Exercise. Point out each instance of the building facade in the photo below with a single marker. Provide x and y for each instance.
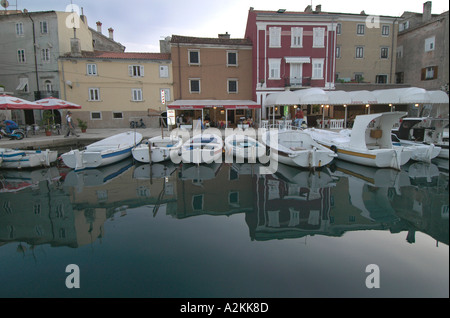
(422, 52)
(115, 88)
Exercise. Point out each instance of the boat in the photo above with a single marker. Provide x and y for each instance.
(420, 151)
(159, 147)
(244, 148)
(202, 148)
(425, 130)
(104, 152)
(368, 142)
(15, 180)
(296, 148)
(16, 158)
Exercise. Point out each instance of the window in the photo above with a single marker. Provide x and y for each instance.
(274, 68)
(43, 27)
(232, 58)
(429, 73)
(399, 52)
(21, 56)
(384, 53)
(91, 69)
(194, 57)
(197, 202)
(233, 199)
(360, 29)
(136, 95)
(117, 115)
(399, 78)
(403, 26)
(381, 79)
(19, 28)
(194, 86)
(136, 70)
(385, 30)
(359, 52)
(96, 115)
(296, 37)
(317, 68)
(359, 77)
(163, 71)
(318, 37)
(23, 85)
(94, 94)
(45, 54)
(232, 86)
(274, 37)
(48, 86)
(338, 28)
(429, 44)
(338, 51)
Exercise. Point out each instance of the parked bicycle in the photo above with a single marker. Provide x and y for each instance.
(137, 124)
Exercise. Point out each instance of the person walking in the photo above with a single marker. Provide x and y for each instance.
(70, 126)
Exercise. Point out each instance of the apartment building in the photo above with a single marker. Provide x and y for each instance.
(212, 78)
(115, 88)
(422, 51)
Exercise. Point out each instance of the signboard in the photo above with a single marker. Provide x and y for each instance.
(171, 116)
(163, 97)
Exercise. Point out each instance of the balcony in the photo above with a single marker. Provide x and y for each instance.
(297, 82)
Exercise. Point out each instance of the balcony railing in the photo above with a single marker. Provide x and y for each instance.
(44, 94)
(297, 82)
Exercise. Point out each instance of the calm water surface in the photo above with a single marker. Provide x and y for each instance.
(225, 230)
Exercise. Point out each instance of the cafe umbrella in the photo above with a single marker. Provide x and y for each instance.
(8, 102)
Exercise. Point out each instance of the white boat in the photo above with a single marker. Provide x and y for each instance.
(202, 148)
(368, 143)
(103, 152)
(420, 151)
(296, 148)
(16, 158)
(244, 148)
(159, 147)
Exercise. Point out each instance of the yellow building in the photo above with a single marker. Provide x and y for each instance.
(115, 88)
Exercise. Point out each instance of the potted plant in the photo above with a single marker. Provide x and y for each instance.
(48, 121)
(82, 124)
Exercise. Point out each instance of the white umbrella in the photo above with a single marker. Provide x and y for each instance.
(56, 103)
(9, 102)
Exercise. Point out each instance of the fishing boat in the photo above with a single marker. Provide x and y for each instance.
(425, 131)
(202, 148)
(104, 152)
(296, 148)
(367, 143)
(15, 158)
(159, 147)
(244, 148)
(420, 151)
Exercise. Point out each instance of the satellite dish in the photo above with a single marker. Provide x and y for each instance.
(5, 3)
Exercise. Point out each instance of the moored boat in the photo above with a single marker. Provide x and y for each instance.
(296, 148)
(104, 152)
(244, 148)
(16, 158)
(159, 147)
(368, 143)
(202, 148)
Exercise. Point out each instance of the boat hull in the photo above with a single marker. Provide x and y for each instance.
(205, 148)
(243, 148)
(160, 149)
(16, 159)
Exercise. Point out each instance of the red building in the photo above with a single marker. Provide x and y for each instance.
(291, 50)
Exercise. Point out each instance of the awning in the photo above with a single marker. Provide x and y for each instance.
(22, 83)
(209, 103)
(299, 59)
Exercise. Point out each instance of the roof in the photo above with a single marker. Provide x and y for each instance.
(218, 40)
(124, 55)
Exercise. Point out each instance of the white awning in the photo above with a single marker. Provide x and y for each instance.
(23, 82)
(299, 59)
(210, 103)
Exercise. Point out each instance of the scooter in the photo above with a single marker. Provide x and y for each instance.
(15, 134)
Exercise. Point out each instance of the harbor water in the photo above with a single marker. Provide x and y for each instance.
(224, 230)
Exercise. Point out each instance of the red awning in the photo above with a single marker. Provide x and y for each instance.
(201, 104)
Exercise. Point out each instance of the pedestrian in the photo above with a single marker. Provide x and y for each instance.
(70, 126)
(298, 117)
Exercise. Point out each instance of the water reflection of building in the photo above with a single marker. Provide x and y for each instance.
(214, 189)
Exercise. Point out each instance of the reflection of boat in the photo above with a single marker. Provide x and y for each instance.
(14, 158)
(199, 173)
(155, 170)
(296, 148)
(202, 148)
(16, 180)
(99, 176)
(160, 148)
(304, 178)
(421, 172)
(103, 152)
(369, 142)
(244, 148)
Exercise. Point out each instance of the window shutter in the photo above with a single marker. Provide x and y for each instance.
(141, 70)
(435, 72)
(130, 70)
(423, 74)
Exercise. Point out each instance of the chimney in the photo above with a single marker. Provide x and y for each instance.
(224, 36)
(99, 27)
(319, 8)
(426, 11)
(75, 47)
(111, 33)
(308, 9)
(83, 17)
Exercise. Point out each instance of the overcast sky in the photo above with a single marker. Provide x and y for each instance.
(140, 24)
